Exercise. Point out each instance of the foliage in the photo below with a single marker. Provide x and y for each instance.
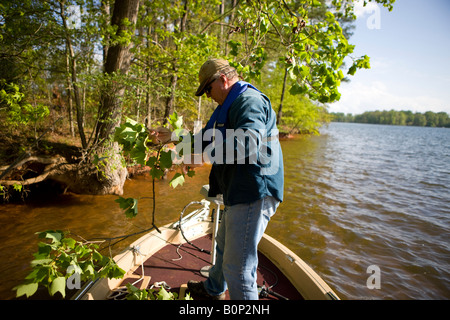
(151, 294)
(139, 149)
(311, 45)
(61, 258)
(300, 114)
(18, 112)
(171, 41)
(134, 139)
(401, 118)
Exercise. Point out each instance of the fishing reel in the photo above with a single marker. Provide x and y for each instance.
(265, 292)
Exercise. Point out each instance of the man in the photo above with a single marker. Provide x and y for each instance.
(247, 169)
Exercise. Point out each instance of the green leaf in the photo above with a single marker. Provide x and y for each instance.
(175, 121)
(324, 98)
(335, 96)
(177, 180)
(304, 71)
(111, 269)
(55, 236)
(165, 160)
(135, 293)
(352, 70)
(330, 80)
(139, 152)
(37, 262)
(69, 242)
(129, 205)
(58, 285)
(96, 256)
(27, 289)
(298, 89)
(89, 271)
(164, 295)
(156, 173)
(264, 26)
(151, 161)
(235, 46)
(44, 250)
(188, 297)
(116, 272)
(191, 173)
(329, 17)
(75, 269)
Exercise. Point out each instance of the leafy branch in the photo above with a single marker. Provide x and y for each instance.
(151, 294)
(139, 148)
(62, 259)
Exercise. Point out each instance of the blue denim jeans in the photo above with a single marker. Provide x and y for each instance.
(238, 235)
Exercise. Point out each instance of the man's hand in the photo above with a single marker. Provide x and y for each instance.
(160, 135)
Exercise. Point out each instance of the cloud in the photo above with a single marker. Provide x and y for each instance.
(358, 97)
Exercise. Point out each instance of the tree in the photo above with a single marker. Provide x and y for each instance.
(152, 52)
(72, 68)
(313, 49)
(299, 114)
(402, 118)
(117, 64)
(101, 170)
(309, 39)
(443, 120)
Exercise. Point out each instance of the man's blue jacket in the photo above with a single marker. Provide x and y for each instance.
(247, 162)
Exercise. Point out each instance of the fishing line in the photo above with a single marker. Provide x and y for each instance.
(181, 229)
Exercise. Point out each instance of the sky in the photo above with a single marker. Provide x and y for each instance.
(409, 50)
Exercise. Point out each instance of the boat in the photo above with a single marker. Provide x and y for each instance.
(184, 250)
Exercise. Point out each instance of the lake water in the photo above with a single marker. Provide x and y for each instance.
(370, 195)
(358, 198)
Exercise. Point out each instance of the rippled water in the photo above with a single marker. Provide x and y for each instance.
(363, 195)
(356, 196)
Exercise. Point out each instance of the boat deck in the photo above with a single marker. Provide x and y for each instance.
(177, 265)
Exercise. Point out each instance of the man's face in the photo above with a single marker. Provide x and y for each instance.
(217, 89)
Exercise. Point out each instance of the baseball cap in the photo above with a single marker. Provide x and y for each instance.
(208, 70)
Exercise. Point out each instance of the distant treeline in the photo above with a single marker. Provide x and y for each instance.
(399, 118)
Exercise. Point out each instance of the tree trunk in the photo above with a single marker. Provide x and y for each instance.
(231, 21)
(171, 99)
(111, 174)
(73, 71)
(118, 61)
(280, 109)
(69, 95)
(106, 11)
(170, 102)
(222, 38)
